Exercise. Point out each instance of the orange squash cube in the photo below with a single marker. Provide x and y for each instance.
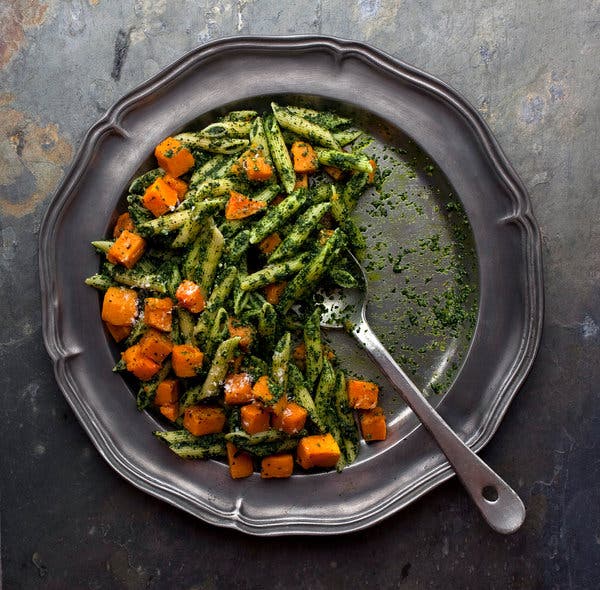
(170, 411)
(186, 360)
(301, 181)
(268, 245)
(127, 249)
(290, 418)
(138, 364)
(240, 462)
(299, 353)
(124, 222)
(255, 418)
(167, 392)
(318, 450)
(261, 390)
(254, 164)
(273, 292)
(200, 420)
(238, 389)
(335, 173)
(299, 356)
(277, 466)
(240, 206)
(158, 313)
(257, 168)
(119, 306)
(362, 395)
(304, 157)
(118, 332)
(173, 158)
(160, 198)
(245, 333)
(373, 425)
(189, 295)
(237, 362)
(178, 185)
(155, 345)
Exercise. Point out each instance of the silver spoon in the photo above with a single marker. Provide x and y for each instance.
(498, 503)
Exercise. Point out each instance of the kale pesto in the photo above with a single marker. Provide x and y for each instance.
(212, 277)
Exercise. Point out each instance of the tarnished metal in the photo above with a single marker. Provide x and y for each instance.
(379, 92)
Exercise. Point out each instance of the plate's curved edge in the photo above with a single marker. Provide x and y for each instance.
(522, 216)
(235, 519)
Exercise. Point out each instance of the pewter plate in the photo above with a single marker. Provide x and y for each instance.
(443, 161)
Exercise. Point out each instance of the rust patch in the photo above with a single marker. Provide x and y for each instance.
(29, 152)
(15, 17)
(21, 209)
(6, 98)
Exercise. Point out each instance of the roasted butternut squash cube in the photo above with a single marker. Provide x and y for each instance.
(189, 295)
(261, 390)
(246, 333)
(318, 450)
(186, 360)
(200, 420)
(255, 418)
(118, 332)
(269, 244)
(127, 249)
(256, 167)
(335, 173)
(158, 313)
(373, 425)
(170, 411)
(277, 466)
(167, 392)
(274, 291)
(299, 356)
(138, 364)
(362, 395)
(301, 181)
(173, 157)
(155, 345)
(178, 185)
(240, 462)
(240, 206)
(238, 389)
(119, 306)
(290, 418)
(124, 222)
(304, 157)
(160, 198)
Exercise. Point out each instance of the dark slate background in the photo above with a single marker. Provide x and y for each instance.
(531, 68)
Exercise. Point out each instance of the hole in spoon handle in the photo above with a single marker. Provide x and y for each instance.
(490, 493)
(499, 504)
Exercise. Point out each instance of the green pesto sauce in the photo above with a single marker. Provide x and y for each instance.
(421, 265)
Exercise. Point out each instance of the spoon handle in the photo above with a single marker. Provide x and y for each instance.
(498, 503)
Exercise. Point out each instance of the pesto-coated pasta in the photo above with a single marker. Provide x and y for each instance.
(210, 281)
(305, 128)
(278, 216)
(314, 348)
(279, 153)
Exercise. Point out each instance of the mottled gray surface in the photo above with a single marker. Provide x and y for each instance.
(532, 70)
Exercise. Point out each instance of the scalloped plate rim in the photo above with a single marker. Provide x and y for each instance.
(523, 216)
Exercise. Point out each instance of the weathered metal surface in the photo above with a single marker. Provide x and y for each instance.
(531, 69)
